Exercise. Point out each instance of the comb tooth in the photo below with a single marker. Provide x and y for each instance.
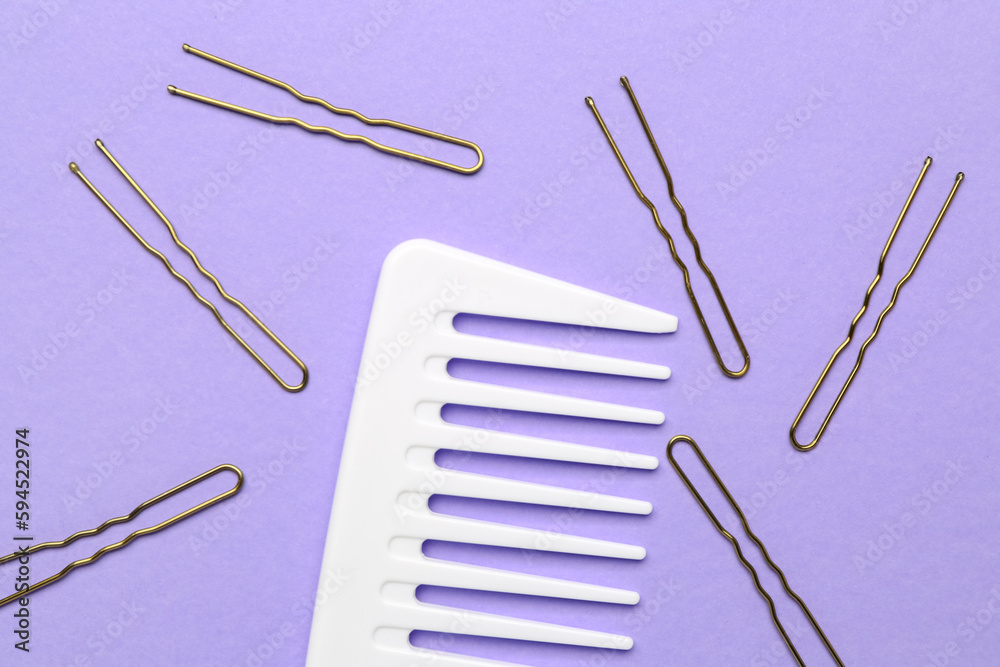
(434, 618)
(468, 439)
(466, 392)
(470, 531)
(456, 575)
(471, 485)
(466, 346)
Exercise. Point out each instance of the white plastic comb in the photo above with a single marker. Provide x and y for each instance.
(373, 562)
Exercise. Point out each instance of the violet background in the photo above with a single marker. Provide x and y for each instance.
(893, 93)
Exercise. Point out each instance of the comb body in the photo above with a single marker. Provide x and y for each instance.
(373, 563)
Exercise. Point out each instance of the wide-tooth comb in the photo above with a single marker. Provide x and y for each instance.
(373, 562)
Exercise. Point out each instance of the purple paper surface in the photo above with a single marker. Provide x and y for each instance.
(794, 132)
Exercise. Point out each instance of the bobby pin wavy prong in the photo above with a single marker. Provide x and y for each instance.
(670, 241)
(286, 120)
(26, 552)
(208, 304)
(864, 306)
(739, 552)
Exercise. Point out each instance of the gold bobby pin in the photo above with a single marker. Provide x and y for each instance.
(285, 120)
(739, 552)
(26, 552)
(864, 306)
(246, 311)
(666, 235)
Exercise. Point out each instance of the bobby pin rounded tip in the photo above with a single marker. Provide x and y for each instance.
(172, 89)
(624, 81)
(300, 386)
(959, 177)
(98, 143)
(737, 373)
(799, 446)
(236, 471)
(590, 101)
(186, 47)
(74, 167)
(480, 161)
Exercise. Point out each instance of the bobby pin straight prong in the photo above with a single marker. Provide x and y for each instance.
(215, 281)
(26, 552)
(740, 372)
(287, 120)
(864, 306)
